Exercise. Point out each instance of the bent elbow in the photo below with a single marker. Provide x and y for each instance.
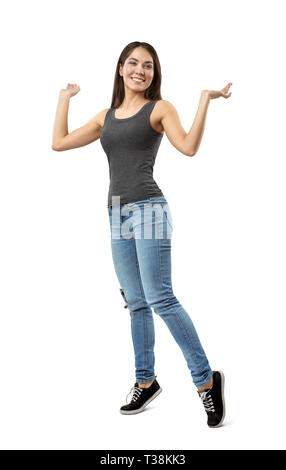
(191, 154)
(56, 148)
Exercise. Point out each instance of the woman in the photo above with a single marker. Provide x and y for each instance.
(130, 132)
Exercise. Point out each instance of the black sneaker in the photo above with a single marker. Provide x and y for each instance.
(213, 400)
(141, 397)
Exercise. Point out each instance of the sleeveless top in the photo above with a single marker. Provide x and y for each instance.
(131, 146)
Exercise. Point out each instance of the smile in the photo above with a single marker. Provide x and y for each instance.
(138, 80)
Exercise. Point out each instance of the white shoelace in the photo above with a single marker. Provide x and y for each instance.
(136, 392)
(207, 401)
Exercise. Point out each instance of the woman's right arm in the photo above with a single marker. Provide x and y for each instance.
(86, 134)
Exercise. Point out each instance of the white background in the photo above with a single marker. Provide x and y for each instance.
(65, 343)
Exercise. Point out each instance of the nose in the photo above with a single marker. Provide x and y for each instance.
(140, 72)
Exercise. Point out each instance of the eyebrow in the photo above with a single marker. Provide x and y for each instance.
(146, 61)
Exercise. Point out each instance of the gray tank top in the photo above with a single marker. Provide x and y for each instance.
(131, 146)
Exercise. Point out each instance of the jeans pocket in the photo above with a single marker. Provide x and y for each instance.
(124, 298)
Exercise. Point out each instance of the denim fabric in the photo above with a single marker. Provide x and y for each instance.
(141, 252)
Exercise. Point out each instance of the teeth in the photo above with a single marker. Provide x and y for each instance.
(137, 79)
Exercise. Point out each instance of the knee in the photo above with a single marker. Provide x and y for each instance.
(164, 303)
(134, 303)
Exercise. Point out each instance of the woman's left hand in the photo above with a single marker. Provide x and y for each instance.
(223, 92)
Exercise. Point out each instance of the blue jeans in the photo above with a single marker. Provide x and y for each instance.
(141, 252)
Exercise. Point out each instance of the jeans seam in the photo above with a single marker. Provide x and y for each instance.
(143, 310)
(159, 257)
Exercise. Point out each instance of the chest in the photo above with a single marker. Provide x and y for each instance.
(131, 135)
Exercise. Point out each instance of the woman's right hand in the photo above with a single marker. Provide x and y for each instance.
(71, 90)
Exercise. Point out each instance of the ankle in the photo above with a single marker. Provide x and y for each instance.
(145, 384)
(207, 385)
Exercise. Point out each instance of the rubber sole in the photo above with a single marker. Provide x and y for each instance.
(133, 412)
(223, 403)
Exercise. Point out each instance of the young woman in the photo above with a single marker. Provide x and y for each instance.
(130, 132)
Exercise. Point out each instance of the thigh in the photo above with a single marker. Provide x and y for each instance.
(126, 265)
(154, 255)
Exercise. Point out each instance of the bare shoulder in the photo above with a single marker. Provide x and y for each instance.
(166, 106)
(163, 108)
(163, 111)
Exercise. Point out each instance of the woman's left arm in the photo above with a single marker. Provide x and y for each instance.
(189, 143)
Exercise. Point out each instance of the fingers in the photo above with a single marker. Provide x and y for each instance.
(227, 87)
(225, 90)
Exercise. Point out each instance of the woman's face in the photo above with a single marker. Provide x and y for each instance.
(138, 64)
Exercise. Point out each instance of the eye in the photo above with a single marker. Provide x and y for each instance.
(148, 66)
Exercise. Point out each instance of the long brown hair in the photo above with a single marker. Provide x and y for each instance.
(154, 90)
